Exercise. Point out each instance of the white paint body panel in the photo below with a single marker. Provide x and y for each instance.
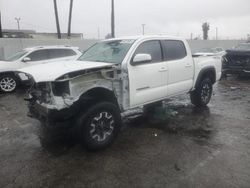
(51, 71)
(147, 82)
(181, 74)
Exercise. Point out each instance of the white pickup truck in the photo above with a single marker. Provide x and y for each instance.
(114, 76)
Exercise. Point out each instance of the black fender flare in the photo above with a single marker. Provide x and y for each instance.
(100, 94)
(207, 71)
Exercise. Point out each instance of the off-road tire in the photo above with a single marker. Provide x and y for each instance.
(8, 83)
(202, 94)
(99, 125)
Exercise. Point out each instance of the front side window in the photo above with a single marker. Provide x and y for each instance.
(113, 51)
(174, 49)
(39, 55)
(151, 47)
(59, 53)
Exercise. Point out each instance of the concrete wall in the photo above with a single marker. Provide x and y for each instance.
(226, 44)
(10, 46)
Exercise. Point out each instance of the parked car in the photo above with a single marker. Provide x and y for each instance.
(237, 60)
(114, 76)
(32, 56)
(217, 51)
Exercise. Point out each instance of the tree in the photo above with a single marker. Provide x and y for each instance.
(108, 36)
(112, 19)
(1, 32)
(205, 28)
(57, 21)
(248, 38)
(70, 17)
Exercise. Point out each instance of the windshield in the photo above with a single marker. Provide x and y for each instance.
(243, 47)
(16, 56)
(108, 51)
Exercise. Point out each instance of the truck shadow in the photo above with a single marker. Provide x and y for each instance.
(176, 120)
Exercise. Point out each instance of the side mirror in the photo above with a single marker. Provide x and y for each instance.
(26, 59)
(141, 58)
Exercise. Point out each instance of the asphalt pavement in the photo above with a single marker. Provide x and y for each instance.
(177, 145)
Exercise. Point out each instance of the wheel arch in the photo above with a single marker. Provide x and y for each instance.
(209, 72)
(98, 94)
(12, 73)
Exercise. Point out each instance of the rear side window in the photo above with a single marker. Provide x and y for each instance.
(174, 49)
(151, 47)
(39, 55)
(58, 53)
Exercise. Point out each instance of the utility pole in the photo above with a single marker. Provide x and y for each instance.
(98, 33)
(112, 19)
(216, 30)
(70, 16)
(143, 28)
(18, 22)
(1, 32)
(57, 21)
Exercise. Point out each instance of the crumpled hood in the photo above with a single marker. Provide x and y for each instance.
(51, 71)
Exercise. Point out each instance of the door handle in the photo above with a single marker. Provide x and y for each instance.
(163, 69)
(188, 65)
(142, 88)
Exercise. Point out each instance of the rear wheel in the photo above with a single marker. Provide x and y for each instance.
(8, 83)
(99, 125)
(202, 94)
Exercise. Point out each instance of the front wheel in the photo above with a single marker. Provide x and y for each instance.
(99, 125)
(202, 94)
(8, 83)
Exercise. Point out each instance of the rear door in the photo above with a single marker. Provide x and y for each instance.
(148, 81)
(180, 66)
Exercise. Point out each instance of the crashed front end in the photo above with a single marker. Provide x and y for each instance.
(50, 101)
(60, 100)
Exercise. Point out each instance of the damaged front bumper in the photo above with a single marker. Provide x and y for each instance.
(50, 116)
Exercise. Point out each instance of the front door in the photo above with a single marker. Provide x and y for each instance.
(148, 81)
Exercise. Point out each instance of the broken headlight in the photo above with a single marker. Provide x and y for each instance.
(41, 92)
(60, 88)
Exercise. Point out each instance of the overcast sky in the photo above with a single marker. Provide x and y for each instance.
(176, 17)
